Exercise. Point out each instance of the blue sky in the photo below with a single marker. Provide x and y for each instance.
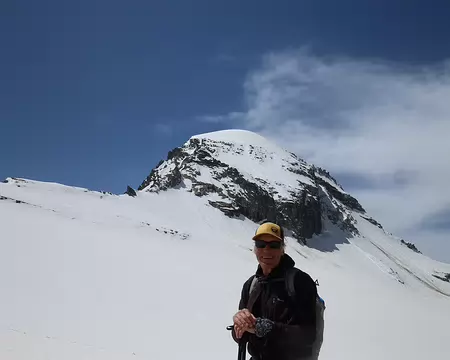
(94, 93)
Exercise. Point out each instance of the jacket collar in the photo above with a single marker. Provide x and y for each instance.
(286, 262)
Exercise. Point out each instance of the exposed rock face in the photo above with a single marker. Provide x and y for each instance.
(307, 219)
(258, 182)
(130, 191)
(442, 276)
(345, 199)
(410, 246)
(372, 221)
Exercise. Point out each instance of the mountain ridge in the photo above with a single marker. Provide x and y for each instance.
(253, 177)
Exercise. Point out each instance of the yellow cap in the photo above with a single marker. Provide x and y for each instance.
(269, 229)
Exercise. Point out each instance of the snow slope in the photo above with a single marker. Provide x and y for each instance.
(92, 276)
(87, 275)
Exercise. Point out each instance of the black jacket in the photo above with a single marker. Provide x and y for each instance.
(293, 330)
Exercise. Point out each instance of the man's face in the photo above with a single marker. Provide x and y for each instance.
(267, 257)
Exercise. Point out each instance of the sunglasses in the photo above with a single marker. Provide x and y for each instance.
(261, 244)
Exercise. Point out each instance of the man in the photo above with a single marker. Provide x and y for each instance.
(275, 325)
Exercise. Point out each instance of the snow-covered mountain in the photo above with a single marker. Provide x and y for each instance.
(245, 175)
(158, 275)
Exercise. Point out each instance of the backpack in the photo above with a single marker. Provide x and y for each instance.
(320, 308)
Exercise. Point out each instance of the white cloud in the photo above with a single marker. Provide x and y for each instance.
(164, 129)
(216, 119)
(382, 121)
(226, 58)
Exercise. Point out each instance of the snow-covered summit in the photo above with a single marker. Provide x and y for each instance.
(243, 174)
(254, 155)
(237, 136)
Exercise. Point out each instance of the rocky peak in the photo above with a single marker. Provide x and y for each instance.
(243, 174)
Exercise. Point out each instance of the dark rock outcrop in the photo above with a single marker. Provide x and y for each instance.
(345, 199)
(174, 153)
(372, 221)
(170, 180)
(410, 246)
(303, 216)
(149, 178)
(326, 174)
(202, 189)
(227, 208)
(130, 191)
(443, 277)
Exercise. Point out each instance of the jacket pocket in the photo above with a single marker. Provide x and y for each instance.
(279, 308)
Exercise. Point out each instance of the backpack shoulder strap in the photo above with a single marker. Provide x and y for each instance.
(254, 291)
(290, 281)
(252, 284)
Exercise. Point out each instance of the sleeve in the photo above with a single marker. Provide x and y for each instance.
(302, 325)
(242, 304)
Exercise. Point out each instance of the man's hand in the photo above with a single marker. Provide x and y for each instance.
(243, 321)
